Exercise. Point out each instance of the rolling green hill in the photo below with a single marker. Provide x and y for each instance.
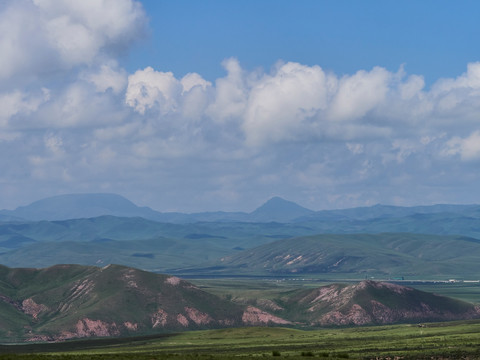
(369, 302)
(133, 242)
(358, 255)
(69, 301)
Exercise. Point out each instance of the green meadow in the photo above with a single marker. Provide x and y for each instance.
(451, 340)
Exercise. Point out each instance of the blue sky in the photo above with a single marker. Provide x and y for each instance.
(220, 105)
(431, 38)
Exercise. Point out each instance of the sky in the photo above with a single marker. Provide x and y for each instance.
(220, 105)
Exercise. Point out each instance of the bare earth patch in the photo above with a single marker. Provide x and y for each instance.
(30, 307)
(173, 280)
(197, 316)
(182, 320)
(87, 327)
(255, 316)
(159, 318)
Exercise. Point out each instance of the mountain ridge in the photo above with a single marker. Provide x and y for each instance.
(276, 209)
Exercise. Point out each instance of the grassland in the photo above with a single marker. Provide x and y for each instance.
(453, 340)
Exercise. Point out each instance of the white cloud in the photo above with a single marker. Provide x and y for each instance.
(231, 93)
(108, 77)
(192, 80)
(79, 30)
(469, 80)
(161, 92)
(149, 88)
(44, 36)
(467, 148)
(279, 105)
(359, 93)
(412, 87)
(18, 102)
(457, 100)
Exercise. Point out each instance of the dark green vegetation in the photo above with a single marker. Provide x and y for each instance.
(452, 340)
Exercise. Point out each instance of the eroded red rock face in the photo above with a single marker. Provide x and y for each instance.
(30, 307)
(89, 328)
(255, 316)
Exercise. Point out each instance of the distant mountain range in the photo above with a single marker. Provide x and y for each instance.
(76, 206)
(71, 301)
(107, 228)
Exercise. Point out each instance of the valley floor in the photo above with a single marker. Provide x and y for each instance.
(449, 340)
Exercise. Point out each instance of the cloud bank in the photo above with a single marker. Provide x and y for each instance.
(73, 120)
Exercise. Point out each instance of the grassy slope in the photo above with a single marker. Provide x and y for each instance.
(157, 254)
(411, 255)
(114, 294)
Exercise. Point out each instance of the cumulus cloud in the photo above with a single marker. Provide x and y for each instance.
(467, 148)
(71, 119)
(359, 93)
(281, 105)
(44, 36)
(297, 102)
(149, 88)
(231, 93)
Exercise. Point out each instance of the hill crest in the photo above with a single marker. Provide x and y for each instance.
(73, 301)
(370, 303)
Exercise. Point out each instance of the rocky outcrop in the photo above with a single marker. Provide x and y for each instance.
(255, 316)
(159, 319)
(89, 328)
(30, 307)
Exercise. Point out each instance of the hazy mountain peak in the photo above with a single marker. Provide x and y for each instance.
(74, 206)
(278, 209)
